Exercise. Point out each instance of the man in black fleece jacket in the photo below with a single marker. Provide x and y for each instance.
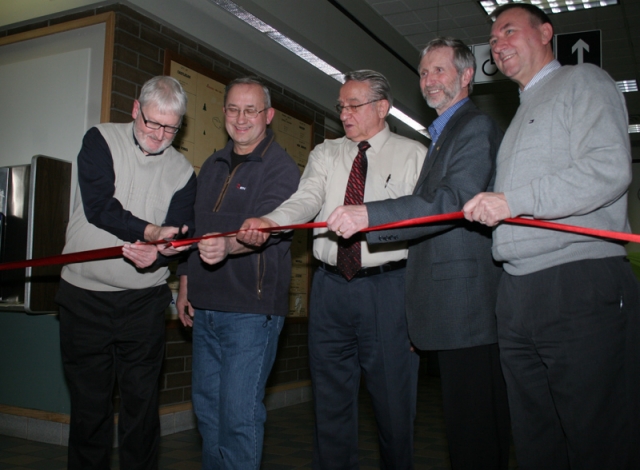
(236, 296)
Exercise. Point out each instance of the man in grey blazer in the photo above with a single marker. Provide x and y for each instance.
(451, 278)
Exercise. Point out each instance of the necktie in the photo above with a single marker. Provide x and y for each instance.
(349, 253)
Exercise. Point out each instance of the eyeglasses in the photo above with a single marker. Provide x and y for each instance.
(155, 125)
(249, 113)
(352, 108)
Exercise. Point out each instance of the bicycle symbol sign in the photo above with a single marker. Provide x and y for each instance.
(489, 67)
(486, 69)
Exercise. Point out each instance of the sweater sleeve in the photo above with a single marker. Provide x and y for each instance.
(181, 212)
(96, 179)
(181, 207)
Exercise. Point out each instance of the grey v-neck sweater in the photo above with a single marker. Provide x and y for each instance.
(565, 158)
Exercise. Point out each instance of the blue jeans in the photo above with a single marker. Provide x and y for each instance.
(232, 356)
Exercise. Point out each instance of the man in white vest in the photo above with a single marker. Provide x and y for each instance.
(132, 186)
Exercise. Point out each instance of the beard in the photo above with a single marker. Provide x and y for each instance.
(448, 94)
(165, 145)
(151, 146)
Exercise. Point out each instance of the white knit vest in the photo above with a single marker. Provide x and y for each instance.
(144, 186)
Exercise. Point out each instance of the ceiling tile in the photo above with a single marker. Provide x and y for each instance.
(431, 14)
(476, 20)
(439, 26)
(417, 4)
(409, 29)
(388, 8)
(420, 39)
(464, 9)
(402, 19)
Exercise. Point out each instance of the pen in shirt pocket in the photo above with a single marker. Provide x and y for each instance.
(387, 182)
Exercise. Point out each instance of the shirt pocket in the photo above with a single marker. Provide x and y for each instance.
(386, 187)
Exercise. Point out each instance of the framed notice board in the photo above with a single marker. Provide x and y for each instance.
(203, 133)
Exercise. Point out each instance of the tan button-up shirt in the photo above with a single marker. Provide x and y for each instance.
(394, 164)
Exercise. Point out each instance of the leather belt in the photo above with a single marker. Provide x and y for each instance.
(365, 272)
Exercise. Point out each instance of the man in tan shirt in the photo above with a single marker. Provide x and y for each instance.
(358, 324)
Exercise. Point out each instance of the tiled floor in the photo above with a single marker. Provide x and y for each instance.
(288, 440)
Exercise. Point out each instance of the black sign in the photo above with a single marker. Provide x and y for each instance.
(579, 48)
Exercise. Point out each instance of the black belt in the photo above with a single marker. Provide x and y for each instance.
(364, 272)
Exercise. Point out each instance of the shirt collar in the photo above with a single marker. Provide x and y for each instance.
(544, 71)
(378, 140)
(437, 126)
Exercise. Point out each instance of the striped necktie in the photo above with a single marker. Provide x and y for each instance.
(349, 252)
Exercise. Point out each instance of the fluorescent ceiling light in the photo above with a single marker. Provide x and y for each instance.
(626, 86)
(634, 128)
(286, 42)
(273, 34)
(409, 122)
(550, 6)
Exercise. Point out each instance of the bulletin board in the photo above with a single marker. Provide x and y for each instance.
(203, 133)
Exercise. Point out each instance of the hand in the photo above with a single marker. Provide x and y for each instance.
(348, 220)
(487, 208)
(168, 250)
(213, 250)
(249, 233)
(142, 255)
(154, 233)
(185, 310)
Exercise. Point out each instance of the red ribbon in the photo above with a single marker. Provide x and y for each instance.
(609, 234)
(116, 251)
(280, 228)
(79, 257)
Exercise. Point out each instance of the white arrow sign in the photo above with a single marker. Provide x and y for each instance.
(580, 46)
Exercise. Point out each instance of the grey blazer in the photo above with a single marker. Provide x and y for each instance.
(451, 278)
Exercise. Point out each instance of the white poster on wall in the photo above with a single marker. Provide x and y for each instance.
(51, 94)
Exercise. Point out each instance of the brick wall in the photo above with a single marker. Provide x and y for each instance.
(139, 48)
(175, 384)
(293, 355)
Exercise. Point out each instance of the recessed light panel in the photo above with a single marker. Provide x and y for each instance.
(627, 86)
(551, 6)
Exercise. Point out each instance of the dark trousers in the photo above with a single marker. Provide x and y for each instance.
(476, 410)
(104, 336)
(361, 326)
(569, 341)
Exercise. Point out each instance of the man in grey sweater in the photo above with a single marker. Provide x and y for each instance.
(568, 305)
